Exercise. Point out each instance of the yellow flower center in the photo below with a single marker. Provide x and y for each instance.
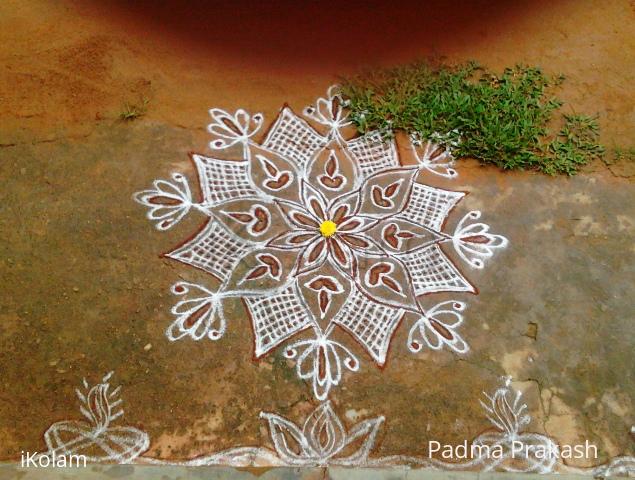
(328, 228)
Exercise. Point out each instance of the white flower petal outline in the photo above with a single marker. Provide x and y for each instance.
(437, 328)
(473, 242)
(205, 310)
(322, 438)
(321, 355)
(233, 129)
(178, 201)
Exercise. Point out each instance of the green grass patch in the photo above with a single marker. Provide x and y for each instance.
(132, 111)
(506, 120)
(621, 155)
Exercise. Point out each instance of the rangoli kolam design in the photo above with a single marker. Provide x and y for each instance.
(315, 230)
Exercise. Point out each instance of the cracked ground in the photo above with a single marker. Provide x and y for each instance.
(84, 292)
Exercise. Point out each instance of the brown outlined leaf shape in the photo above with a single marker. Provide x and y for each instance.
(298, 217)
(293, 239)
(332, 171)
(394, 236)
(312, 256)
(254, 222)
(386, 280)
(332, 179)
(356, 241)
(386, 193)
(326, 286)
(400, 236)
(258, 221)
(342, 256)
(476, 239)
(262, 269)
(273, 174)
(276, 179)
(380, 273)
(382, 196)
(269, 265)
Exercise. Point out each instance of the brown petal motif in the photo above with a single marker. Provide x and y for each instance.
(326, 287)
(269, 266)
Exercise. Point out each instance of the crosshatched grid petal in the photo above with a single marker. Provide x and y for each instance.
(213, 250)
(276, 317)
(293, 138)
(432, 272)
(430, 206)
(223, 180)
(371, 323)
(373, 153)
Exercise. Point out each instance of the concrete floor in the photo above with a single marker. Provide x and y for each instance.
(102, 472)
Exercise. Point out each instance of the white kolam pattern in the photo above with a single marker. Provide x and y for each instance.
(263, 239)
(324, 439)
(96, 438)
(354, 188)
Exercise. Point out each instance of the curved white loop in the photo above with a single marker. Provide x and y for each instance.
(318, 360)
(197, 317)
(329, 111)
(96, 440)
(167, 202)
(322, 438)
(437, 328)
(474, 243)
(433, 157)
(233, 129)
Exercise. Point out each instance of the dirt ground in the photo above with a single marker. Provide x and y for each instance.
(83, 291)
(66, 66)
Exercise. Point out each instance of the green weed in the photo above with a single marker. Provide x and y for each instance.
(621, 155)
(133, 111)
(500, 119)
